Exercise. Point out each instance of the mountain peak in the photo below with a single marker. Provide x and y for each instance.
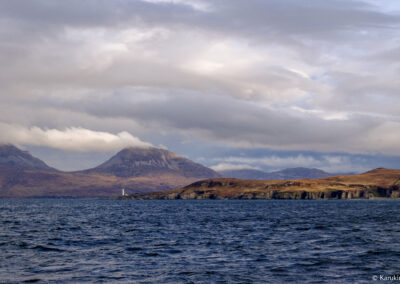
(146, 151)
(151, 161)
(13, 157)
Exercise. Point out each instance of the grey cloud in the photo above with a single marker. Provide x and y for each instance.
(369, 93)
(316, 18)
(257, 17)
(235, 74)
(39, 16)
(237, 123)
(390, 56)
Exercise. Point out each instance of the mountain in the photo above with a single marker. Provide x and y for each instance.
(378, 183)
(136, 170)
(244, 174)
(152, 162)
(298, 173)
(290, 173)
(12, 157)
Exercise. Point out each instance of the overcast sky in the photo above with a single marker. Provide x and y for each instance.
(265, 84)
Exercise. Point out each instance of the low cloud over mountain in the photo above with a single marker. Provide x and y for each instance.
(71, 139)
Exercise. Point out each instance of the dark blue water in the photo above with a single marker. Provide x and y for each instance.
(122, 241)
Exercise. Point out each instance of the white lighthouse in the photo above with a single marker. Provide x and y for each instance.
(123, 192)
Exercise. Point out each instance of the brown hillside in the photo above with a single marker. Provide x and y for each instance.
(378, 183)
(135, 169)
(32, 183)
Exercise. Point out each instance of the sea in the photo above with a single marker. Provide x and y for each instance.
(199, 241)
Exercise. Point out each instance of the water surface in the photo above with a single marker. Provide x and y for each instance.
(183, 241)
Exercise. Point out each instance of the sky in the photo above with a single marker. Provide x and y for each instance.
(230, 84)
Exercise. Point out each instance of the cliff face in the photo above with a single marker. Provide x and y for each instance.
(380, 183)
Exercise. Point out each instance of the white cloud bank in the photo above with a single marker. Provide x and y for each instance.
(70, 139)
(229, 167)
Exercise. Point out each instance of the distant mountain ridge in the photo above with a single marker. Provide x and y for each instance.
(289, 173)
(12, 157)
(135, 169)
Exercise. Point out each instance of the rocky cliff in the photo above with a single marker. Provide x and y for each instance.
(379, 183)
